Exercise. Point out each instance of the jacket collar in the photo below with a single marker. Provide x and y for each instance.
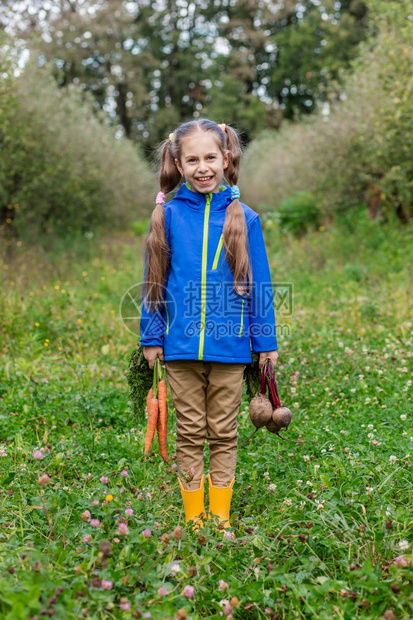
(195, 200)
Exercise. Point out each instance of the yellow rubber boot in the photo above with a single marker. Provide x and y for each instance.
(220, 501)
(193, 503)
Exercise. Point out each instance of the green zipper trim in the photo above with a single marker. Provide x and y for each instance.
(242, 319)
(167, 319)
(218, 252)
(203, 276)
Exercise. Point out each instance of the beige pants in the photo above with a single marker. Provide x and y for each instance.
(206, 396)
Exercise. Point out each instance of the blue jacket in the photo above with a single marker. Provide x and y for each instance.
(203, 317)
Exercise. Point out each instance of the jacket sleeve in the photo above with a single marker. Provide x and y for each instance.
(261, 303)
(152, 325)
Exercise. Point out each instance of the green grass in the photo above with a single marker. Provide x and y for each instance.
(322, 543)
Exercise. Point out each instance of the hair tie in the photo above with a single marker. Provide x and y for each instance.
(171, 137)
(160, 199)
(235, 193)
(222, 127)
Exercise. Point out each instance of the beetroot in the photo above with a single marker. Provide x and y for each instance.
(268, 412)
(260, 411)
(282, 417)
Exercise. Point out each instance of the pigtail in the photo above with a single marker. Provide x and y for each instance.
(235, 232)
(235, 152)
(157, 248)
(169, 175)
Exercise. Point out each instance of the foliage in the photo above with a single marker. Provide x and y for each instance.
(300, 80)
(358, 152)
(140, 379)
(318, 530)
(60, 167)
(141, 227)
(298, 214)
(151, 65)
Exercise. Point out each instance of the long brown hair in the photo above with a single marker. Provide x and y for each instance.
(235, 232)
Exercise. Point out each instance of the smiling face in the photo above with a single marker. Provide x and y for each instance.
(202, 162)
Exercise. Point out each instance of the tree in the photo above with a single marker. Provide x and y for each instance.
(311, 53)
(151, 65)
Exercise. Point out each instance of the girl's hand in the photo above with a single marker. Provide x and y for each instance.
(268, 355)
(151, 353)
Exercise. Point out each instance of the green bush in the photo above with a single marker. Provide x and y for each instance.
(141, 227)
(298, 214)
(361, 151)
(61, 167)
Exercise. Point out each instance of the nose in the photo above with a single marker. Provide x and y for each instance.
(203, 166)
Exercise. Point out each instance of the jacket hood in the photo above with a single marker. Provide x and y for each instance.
(196, 200)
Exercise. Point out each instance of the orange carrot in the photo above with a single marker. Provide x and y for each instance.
(162, 425)
(149, 398)
(153, 411)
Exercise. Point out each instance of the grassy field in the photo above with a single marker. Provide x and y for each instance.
(91, 529)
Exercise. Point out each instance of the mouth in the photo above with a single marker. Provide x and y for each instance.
(204, 180)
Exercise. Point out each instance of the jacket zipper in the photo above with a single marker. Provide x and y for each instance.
(167, 318)
(242, 319)
(218, 252)
(203, 276)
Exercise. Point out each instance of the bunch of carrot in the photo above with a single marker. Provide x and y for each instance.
(157, 408)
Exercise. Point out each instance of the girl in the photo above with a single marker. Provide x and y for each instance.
(207, 301)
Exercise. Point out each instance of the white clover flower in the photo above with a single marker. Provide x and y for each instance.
(367, 401)
(392, 459)
(272, 487)
(306, 458)
(316, 467)
(370, 427)
(369, 489)
(287, 501)
(302, 505)
(403, 417)
(309, 483)
(299, 482)
(353, 390)
(331, 448)
(404, 545)
(370, 435)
